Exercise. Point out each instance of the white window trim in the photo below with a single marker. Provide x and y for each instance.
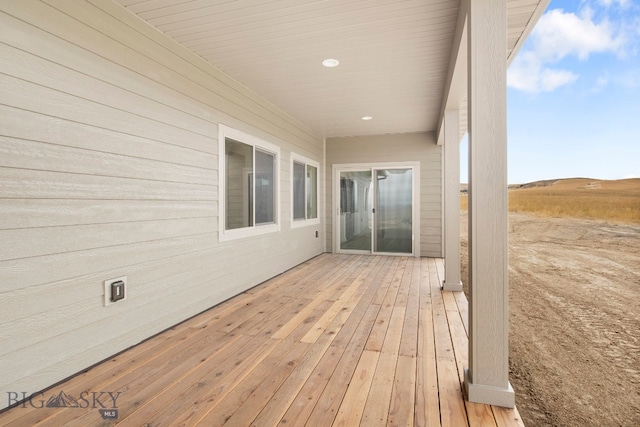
(254, 230)
(296, 223)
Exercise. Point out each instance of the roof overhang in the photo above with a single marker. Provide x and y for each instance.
(522, 16)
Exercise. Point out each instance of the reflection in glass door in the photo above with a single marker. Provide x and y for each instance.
(394, 211)
(376, 215)
(355, 210)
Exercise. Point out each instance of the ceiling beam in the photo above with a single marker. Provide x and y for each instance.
(456, 86)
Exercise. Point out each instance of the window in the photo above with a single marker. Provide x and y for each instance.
(304, 192)
(249, 179)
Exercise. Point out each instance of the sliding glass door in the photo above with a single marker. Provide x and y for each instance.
(376, 210)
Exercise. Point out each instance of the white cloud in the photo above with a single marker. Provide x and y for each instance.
(558, 35)
(609, 3)
(528, 74)
(551, 79)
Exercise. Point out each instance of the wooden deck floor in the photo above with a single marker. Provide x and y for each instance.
(341, 340)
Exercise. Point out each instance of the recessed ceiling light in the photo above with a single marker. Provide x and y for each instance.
(367, 118)
(330, 63)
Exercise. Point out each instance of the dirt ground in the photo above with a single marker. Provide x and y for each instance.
(574, 320)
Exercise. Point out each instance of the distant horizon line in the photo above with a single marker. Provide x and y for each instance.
(565, 179)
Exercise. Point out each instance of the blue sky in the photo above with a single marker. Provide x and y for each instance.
(574, 94)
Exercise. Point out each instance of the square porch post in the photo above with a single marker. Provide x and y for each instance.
(451, 147)
(487, 378)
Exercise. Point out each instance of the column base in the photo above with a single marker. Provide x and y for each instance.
(452, 286)
(489, 395)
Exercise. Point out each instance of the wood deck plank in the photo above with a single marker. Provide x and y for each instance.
(331, 282)
(452, 408)
(360, 263)
(427, 412)
(178, 340)
(226, 407)
(308, 396)
(265, 316)
(276, 319)
(150, 379)
(201, 388)
(316, 280)
(507, 417)
(479, 415)
(304, 272)
(160, 390)
(383, 282)
(104, 373)
(409, 343)
(350, 308)
(300, 274)
(321, 283)
(326, 408)
(253, 405)
(379, 331)
(342, 303)
(458, 335)
(277, 406)
(405, 283)
(401, 410)
(378, 401)
(339, 340)
(223, 384)
(463, 309)
(303, 327)
(245, 314)
(352, 406)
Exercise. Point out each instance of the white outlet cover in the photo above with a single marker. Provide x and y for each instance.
(107, 290)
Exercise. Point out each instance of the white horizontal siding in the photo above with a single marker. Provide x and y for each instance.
(420, 147)
(108, 167)
(28, 125)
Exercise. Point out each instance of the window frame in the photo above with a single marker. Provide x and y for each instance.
(224, 235)
(296, 223)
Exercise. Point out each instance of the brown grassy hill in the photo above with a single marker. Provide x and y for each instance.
(616, 201)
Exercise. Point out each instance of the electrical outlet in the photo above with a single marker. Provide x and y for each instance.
(115, 290)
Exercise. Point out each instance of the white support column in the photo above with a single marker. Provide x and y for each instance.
(487, 379)
(451, 147)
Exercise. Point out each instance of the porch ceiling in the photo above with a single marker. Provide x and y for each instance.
(394, 54)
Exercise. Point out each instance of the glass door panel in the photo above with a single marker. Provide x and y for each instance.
(356, 210)
(394, 211)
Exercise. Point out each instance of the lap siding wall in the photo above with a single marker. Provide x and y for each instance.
(109, 167)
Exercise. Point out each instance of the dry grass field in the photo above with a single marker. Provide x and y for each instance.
(615, 201)
(574, 296)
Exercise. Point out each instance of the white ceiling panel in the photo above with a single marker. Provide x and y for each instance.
(394, 54)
